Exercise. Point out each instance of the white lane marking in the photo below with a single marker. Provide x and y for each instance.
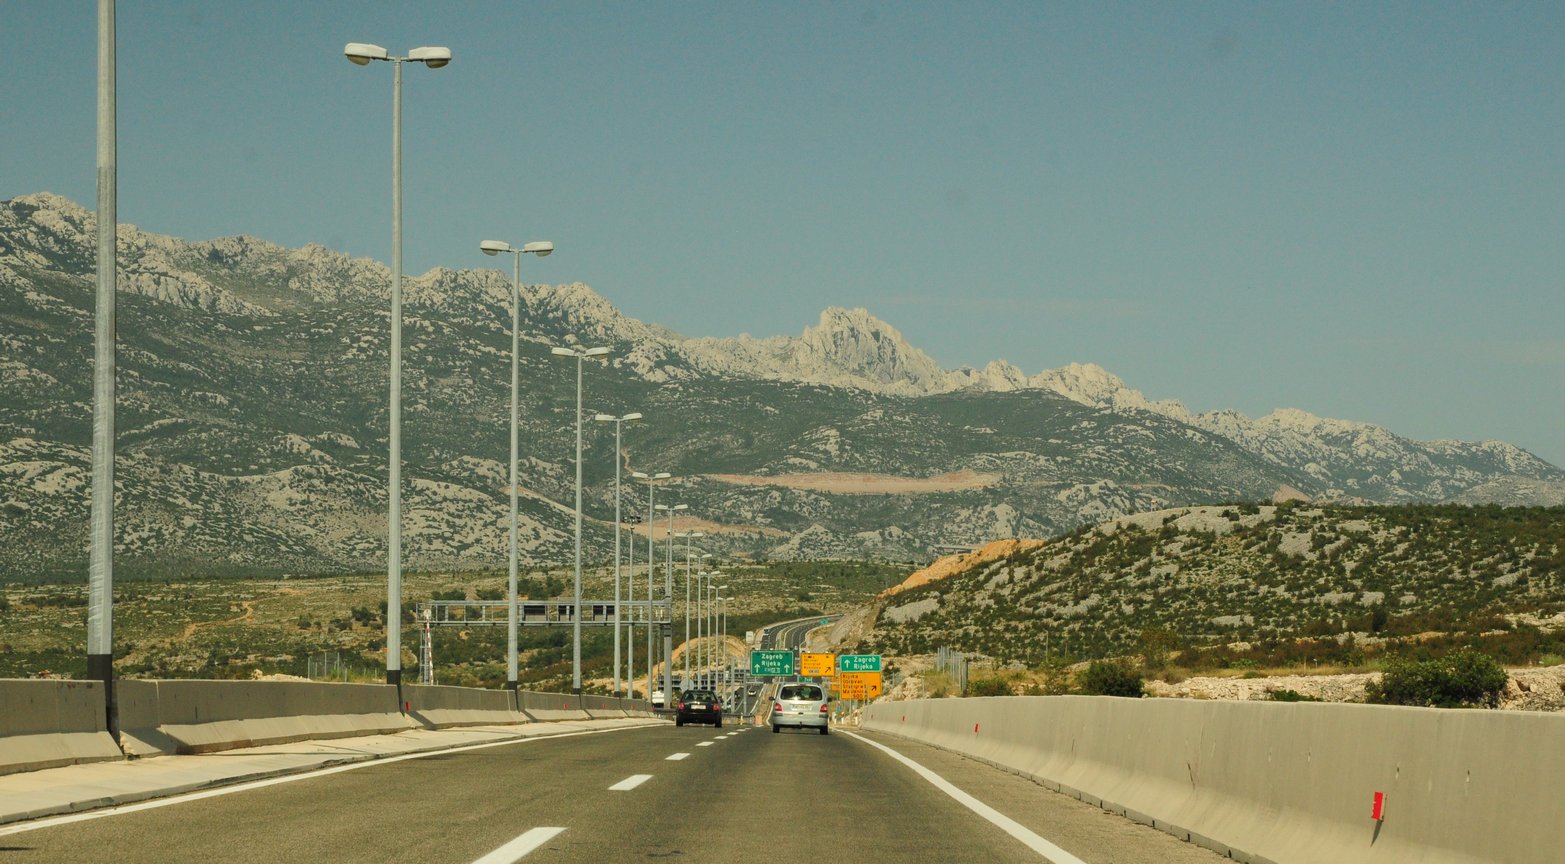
(704, 744)
(52, 821)
(630, 782)
(677, 756)
(517, 849)
(1005, 823)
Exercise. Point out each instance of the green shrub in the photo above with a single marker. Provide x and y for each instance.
(988, 687)
(1106, 678)
(1463, 678)
(1285, 695)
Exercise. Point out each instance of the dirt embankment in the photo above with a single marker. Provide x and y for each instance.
(1529, 689)
(951, 565)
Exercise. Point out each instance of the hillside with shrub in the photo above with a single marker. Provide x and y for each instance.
(1247, 586)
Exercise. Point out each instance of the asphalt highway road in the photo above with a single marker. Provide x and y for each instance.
(692, 794)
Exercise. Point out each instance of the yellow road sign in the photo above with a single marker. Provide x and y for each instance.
(817, 665)
(859, 685)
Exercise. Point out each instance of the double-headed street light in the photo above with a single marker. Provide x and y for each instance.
(668, 592)
(721, 603)
(618, 423)
(651, 481)
(360, 54)
(581, 354)
(688, 644)
(541, 248)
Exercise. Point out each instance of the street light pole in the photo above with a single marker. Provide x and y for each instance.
(688, 644)
(581, 356)
(360, 54)
(100, 573)
(541, 248)
(618, 612)
(668, 595)
(652, 480)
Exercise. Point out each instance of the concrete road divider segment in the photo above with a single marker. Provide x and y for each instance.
(52, 723)
(549, 707)
(208, 716)
(1278, 782)
(435, 707)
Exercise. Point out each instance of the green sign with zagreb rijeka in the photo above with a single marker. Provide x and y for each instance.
(858, 663)
(771, 662)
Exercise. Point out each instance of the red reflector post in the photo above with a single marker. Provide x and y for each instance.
(1377, 810)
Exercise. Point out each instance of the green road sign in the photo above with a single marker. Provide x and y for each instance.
(774, 663)
(825, 621)
(858, 663)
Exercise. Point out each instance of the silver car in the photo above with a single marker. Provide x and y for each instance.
(802, 706)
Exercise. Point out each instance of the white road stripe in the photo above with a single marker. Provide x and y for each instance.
(630, 782)
(677, 756)
(51, 821)
(517, 849)
(1049, 851)
(704, 744)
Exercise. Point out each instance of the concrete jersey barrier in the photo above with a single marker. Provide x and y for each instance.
(191, 716)
(1279, 782)
(437, 707)
(52, 723)
(549, 707)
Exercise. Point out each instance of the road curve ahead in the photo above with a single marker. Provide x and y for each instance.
(691, 794)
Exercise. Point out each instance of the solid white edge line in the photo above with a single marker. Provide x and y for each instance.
(52, 821)
(519, 848)
(676, 757)
(1005, 823)
(630, 782)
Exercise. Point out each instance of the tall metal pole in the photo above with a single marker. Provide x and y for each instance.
(100, 589)
(651, 571)
(394, 511)
(630, 623)
(689, 646)
(516, 383)
(617, 610)
(576, 614)
(668, 629)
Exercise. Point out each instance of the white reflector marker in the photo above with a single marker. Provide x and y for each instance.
(630, 782)
(518, 849)
(677, 756)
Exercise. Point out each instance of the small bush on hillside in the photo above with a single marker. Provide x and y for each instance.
(988, 687)
(1105, 678)
(1285, 695)
(1461, 679)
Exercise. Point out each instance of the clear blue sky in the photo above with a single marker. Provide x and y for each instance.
(1357, 209)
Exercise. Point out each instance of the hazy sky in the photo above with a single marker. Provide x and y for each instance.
(1357, 209)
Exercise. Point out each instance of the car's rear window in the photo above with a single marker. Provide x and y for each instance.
(706, 695)
(803, 692)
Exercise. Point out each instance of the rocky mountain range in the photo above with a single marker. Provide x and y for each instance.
(252, 423)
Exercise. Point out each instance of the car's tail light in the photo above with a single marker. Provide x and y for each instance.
(776, 706)
(679, 706)
(823, 707)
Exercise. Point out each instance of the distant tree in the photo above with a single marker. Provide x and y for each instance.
(1462, 679)
(1108, 678)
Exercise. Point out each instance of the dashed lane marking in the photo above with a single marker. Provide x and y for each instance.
(519, 848)
(677, 756)
(630, 782)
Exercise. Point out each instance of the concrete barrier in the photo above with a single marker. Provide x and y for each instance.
(601, 707)
(435, 707)
(52, 723)
(548, 707)
(208, 716)
(1278, 782)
